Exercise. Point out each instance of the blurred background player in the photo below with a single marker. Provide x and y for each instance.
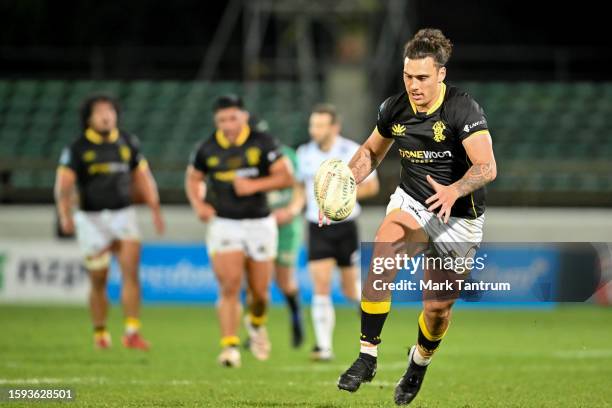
(105, 165)
(338, 243)
(226, 181)
(286, 205)
(440, 200)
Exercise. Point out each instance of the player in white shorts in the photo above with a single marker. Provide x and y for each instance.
(336, 245)
(442, 137)
(107, 168)
(226, 183)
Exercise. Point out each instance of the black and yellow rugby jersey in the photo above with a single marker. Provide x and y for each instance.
(103, 168)
(221, 161)
(430, 143)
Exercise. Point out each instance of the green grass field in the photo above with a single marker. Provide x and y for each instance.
(555, 358)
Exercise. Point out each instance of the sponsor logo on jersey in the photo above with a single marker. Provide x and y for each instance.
(471, 126)
(230, 175)
(398, 130)
(438, 129)
(107, 168)
(424, 156)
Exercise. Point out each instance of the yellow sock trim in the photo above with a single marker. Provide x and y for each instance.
(426, 331)
(99, 334)
(228, 341)
(132, 323)
(257, 320)
(376, 307)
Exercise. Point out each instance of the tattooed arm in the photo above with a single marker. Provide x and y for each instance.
(483, 170)
(369, 155)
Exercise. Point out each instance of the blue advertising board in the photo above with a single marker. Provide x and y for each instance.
(181, 273)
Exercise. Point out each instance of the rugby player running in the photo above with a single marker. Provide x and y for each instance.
(446, 160)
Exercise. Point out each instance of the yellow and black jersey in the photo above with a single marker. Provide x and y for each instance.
(250, 156)
(103, 167)
(431, 143)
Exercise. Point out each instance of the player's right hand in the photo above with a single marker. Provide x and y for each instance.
(67, 225)
(205, 212)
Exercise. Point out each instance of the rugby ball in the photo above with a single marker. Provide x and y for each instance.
(335, 189)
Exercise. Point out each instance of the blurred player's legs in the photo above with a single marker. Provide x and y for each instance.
(101, 234)
(235, 245)
(334, 245)
(128, 257)
(259, 274)
(285, 279)
(229, 267)
(322, 307)
(98, 299)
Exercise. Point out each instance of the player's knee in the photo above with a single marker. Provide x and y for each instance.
(98, 282)
(130, 277)
(230, 290)
(259, 295)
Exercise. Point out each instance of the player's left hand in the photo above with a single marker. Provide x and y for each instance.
(444, 199)
(244, 186)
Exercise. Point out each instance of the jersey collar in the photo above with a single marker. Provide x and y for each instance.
(436, 105)
(224, 141)
(97, 138)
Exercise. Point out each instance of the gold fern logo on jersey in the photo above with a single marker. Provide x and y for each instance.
(89, 156)
(125, 153)
(438, 129)
(398, 130)
(212, 161)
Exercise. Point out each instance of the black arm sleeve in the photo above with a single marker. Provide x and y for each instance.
(198, 159)
(271, 150)
(467, 117)
(69, 158)
(136, 156)
(383, 121)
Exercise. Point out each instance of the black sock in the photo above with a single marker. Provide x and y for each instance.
(294, 304)
(371, 326)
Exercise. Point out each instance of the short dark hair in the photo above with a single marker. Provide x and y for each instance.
(228, 101)
(429, 42)
(329, 109)
(88, 104)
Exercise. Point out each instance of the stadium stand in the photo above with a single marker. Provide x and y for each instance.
(554, 126)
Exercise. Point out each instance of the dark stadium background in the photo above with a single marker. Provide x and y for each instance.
(541, 70)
